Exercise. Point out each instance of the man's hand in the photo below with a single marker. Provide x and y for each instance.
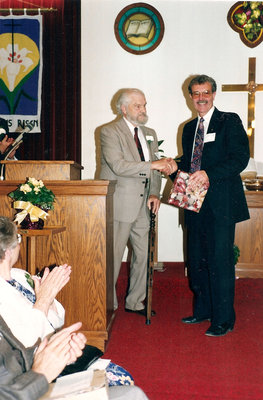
(5, 143)
(198, 179)
(153, 203)
(62, 349)
(165, 165)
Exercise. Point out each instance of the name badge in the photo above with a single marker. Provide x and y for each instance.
(210, 137)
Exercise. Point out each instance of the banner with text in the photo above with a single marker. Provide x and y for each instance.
(21, 70)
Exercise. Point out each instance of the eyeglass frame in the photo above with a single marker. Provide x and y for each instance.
(205, 93)
(19, 238)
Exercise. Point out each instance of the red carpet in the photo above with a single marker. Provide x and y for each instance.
(170, 360)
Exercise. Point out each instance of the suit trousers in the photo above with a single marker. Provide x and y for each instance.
(211, 267)
(137, 233)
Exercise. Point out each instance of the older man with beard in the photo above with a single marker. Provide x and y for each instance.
(128, 156)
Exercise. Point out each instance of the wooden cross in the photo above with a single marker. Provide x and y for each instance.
(251, 87)
(13, 25)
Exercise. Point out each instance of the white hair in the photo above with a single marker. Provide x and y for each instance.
(125, 98)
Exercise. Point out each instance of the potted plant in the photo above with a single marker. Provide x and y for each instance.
(33, 200)
(236, 253)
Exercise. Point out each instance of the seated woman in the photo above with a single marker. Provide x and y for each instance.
(30, 315)
(35, 313)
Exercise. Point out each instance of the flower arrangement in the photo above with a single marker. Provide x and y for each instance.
(34, 199)
(35, 192)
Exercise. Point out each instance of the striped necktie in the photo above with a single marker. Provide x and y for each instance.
(138, 143)
(198, 147)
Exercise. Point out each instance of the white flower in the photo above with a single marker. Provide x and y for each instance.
(25, 188)
(158, 155)
(149, 138)
(35, 182)
(36, 190)
(13, 59)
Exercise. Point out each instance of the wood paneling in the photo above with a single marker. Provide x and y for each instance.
(249, 235)
(85, 209)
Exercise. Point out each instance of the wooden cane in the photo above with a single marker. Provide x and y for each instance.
(150, 268)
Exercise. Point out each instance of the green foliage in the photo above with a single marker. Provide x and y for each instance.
(236, 253)
(29, 280)
(159, 144)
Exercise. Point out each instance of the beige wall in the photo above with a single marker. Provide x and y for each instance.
(197, 39)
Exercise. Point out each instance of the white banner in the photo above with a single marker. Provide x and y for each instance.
(21, 66)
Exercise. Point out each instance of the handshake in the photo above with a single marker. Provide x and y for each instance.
(165, 165)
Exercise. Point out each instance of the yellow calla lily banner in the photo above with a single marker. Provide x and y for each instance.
(21, 70)
(28, 208)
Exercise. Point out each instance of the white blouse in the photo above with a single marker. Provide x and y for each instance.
(26, 323)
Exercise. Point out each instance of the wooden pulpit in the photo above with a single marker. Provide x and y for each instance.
(45, 170)
(85, 209)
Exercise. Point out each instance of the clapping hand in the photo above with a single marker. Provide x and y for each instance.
(47, 287)
(63, 348)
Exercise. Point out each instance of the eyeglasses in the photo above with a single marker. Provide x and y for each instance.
(19, 238)
(205, 93)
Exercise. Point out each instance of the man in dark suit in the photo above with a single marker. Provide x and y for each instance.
(223, 155)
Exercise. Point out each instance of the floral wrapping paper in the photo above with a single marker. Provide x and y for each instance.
(182, 196)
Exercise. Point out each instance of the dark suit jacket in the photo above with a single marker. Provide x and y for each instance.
(17, 380)
(223, 159)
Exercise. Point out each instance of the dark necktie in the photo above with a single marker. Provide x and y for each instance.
(138, 143)
(198, 147)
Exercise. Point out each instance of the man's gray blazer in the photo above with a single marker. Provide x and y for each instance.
(120, 161)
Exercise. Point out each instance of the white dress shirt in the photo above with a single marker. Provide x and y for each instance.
(141, 138)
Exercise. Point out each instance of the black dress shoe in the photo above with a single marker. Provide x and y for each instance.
(194, 320)
(219, 330)
(140, 312)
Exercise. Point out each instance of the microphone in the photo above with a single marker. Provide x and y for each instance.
(28, 128)
(16, 143)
